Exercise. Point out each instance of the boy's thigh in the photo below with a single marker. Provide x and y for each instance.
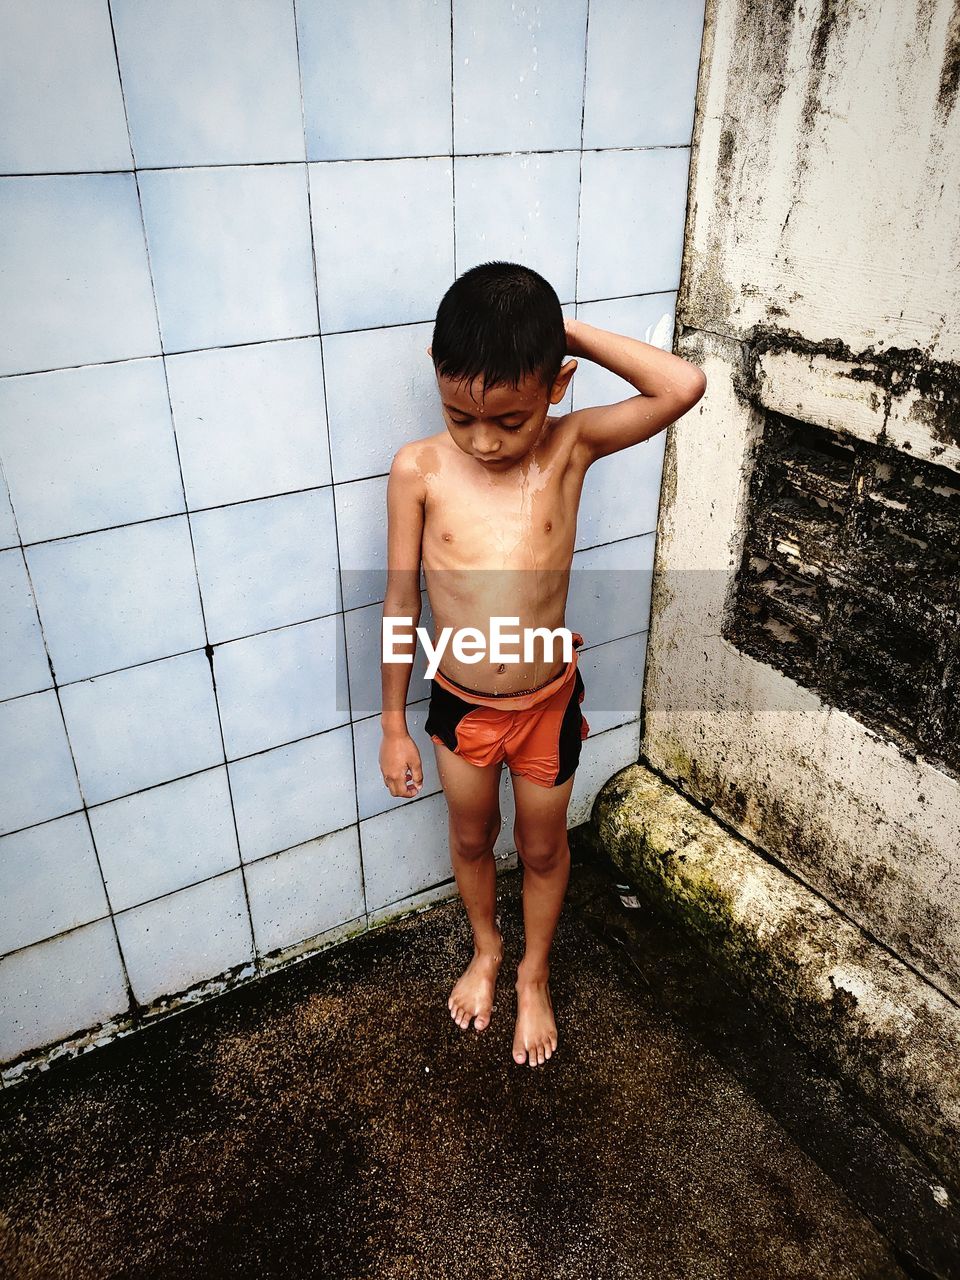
(472, 791)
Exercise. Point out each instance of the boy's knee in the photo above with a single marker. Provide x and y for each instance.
(540, 850)
(474, 842)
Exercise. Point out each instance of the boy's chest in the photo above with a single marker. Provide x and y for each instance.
(523, 524)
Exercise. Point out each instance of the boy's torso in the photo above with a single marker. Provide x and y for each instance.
(500, 543)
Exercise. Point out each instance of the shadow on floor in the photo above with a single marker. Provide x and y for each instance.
(332, 1120)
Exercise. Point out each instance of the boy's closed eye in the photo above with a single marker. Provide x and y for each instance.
(511, 424)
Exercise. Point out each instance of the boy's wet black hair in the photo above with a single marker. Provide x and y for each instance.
(499, 321)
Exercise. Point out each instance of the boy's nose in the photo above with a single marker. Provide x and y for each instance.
(484, 444)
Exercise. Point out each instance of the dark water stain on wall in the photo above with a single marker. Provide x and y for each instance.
(895, 371)
(950, 70)
(850, 580)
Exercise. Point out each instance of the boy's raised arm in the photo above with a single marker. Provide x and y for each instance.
(399, 758)
(669, 387)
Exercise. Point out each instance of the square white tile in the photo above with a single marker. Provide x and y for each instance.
(266, 563)
(210, 82)
(87, 448)
(610, 589)
(23, 659)
(416, 902)
(383, 238)
(647, 192)
(642, 65)
(364, 651)
(76, 282)
(375, 88)
(282, 685)
(163, 839)
(112, 599)
(60, 987)
(230, 252)
(250, 420)
(362, 530)
(372, 794)
(613, 678)
(518, 74)
(621, 494)
(173, 943)
(405, 851)
(143, 726)
(520, 208)
(49, 882)
(315, 779)
(8, 525)
(648, 317)
(81, 125)
(38, 780)
(370, 418)
(305, 891)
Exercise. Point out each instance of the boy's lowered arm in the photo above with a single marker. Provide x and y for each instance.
(669, 387)
(404, 535)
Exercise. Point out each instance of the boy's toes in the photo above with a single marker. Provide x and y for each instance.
(480, 1021)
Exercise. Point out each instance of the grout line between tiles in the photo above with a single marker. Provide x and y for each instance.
(298, 337)
(264, 858)
(297, 160)
(208, 647)
(341, 633)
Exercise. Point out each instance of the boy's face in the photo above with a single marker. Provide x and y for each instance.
(500, 425)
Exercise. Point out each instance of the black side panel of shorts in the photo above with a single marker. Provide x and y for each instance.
(570, 740)
(445, 713)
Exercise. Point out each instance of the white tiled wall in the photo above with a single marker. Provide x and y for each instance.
(225, 231)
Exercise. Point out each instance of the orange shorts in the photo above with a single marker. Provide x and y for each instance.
(539, 734)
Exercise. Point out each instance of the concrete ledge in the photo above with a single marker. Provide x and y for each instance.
(880, 1025)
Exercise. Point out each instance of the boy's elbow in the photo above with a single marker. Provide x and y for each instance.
(698, 385)
(402, 606)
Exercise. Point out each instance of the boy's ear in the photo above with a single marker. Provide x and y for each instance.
(430, 352)
(562, 381)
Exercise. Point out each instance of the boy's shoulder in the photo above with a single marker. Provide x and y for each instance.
(416, 460)
(416, 456)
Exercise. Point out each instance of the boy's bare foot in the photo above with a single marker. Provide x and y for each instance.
(535, 1038)
(472, 997)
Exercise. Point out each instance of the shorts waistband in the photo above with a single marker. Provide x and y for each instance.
(515, 701)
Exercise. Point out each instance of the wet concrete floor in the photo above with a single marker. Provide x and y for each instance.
(332, 1120)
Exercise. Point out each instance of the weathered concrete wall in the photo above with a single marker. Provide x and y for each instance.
(819, 284)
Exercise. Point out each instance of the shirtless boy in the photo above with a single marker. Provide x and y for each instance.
(488, 506)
